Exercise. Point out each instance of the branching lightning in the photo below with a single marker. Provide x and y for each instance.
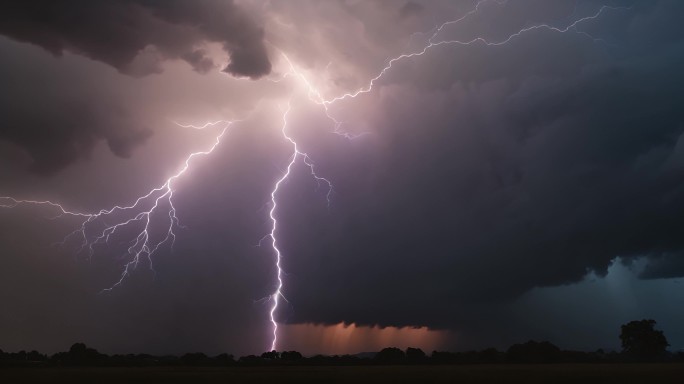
(141, 245)
(306, 160)
(316, 97)
(433, 43)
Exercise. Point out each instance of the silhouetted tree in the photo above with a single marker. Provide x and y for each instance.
(78, 349)
(390, 355)
(491, 355)
(80, 354)
(533, 352)
(273, 355)
(36, 356)
(251, 360)
(642, 341)
(224, 359)
(415, 355)
(291, 356)
(196, 359)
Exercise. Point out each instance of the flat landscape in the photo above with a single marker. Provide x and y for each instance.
(551, 373)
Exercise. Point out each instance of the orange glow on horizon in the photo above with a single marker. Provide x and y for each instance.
(340, 339)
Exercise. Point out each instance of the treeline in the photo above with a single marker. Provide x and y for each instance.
(531, 352)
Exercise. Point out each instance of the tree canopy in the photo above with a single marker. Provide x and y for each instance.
(641, 340)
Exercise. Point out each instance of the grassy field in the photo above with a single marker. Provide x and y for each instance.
(560, 373)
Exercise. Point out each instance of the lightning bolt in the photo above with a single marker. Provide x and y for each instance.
(140, 211)
(296, 155)
(315, 96)
(142, 246)
(433, 43)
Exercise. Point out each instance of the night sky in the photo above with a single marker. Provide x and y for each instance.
(517, 174)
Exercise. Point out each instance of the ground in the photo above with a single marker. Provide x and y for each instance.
(552, 373)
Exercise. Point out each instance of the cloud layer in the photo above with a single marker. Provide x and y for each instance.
(134, 36)
(485, 171)
(499, 169)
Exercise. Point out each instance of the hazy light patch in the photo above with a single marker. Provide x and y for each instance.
(339, 339)
(552, 313)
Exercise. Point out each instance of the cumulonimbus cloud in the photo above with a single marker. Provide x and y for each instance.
(117, 32)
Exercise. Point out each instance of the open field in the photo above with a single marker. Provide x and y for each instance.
(557, 373)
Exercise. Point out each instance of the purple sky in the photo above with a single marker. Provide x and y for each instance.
(516, 174)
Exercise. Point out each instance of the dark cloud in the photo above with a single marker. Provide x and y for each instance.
(199, 61)
(501, 169)
(410, 8)
(79, 111)
(56, 122)
(487, 171)
(65, 133)
(663, 266)
(117, 32)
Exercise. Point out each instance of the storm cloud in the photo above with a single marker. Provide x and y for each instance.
(482, 173)
(134, 36)
(500, 169)
(70, 123)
